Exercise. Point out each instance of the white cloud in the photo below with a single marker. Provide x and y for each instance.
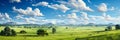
(28, 20)
(21, 19)
(112, 8)
(75, 11)
(19, 16)
(7, 16)
(79, 5)
(103, 17)
(73, 19)
(102, 7)
(84, 15)
(107, 17)
(31, 20)
(41, 4)
(28, 11)
(59, 15)
(15, 1)
(61, 7)
(64, 6)
(28, 16)
(72, 16)
(4, 17)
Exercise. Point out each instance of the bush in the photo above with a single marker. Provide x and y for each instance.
(23, 31)
(7, 32)
(53, 30)
(41, 32)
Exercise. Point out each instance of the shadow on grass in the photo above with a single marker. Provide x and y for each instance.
(31, 36)
(98, 31)
(101, 37)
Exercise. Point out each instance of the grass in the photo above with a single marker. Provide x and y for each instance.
(72, 33)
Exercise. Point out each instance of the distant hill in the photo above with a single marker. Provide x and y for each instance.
(9, 23)
(51, 24)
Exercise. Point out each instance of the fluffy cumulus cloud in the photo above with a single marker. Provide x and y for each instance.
(41, 4)
(71, 21)
(80, 4)
(28, 20)
(72, 16)
(31, 20)
(28, 15)
(4, 17)
(84, 15)
(15, 1)
(71, 7)
(105, 18)
(61, 7)
(19, 17)
(102, 7)
(85, 18)
(28, 11)
(77, 5)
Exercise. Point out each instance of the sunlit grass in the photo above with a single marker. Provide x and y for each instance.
(64, 34)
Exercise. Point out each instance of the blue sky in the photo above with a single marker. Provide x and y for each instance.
(60, 11)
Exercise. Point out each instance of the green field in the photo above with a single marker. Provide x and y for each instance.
(72, 33)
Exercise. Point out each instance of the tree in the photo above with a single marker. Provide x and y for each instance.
(117, 27)
(23, 31)
(53, 30)
(108, 28)
(7, 32)
(13, 32)
(7, 29)
(2, 33)
(41, 32)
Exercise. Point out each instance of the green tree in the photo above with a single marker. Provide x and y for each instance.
(41, 32)
(117, 27)
(23, 31)
(53, 30)
(13, 32)
(7, 32)
(2, 33)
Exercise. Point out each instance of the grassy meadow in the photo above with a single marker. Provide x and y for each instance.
(72, 33)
